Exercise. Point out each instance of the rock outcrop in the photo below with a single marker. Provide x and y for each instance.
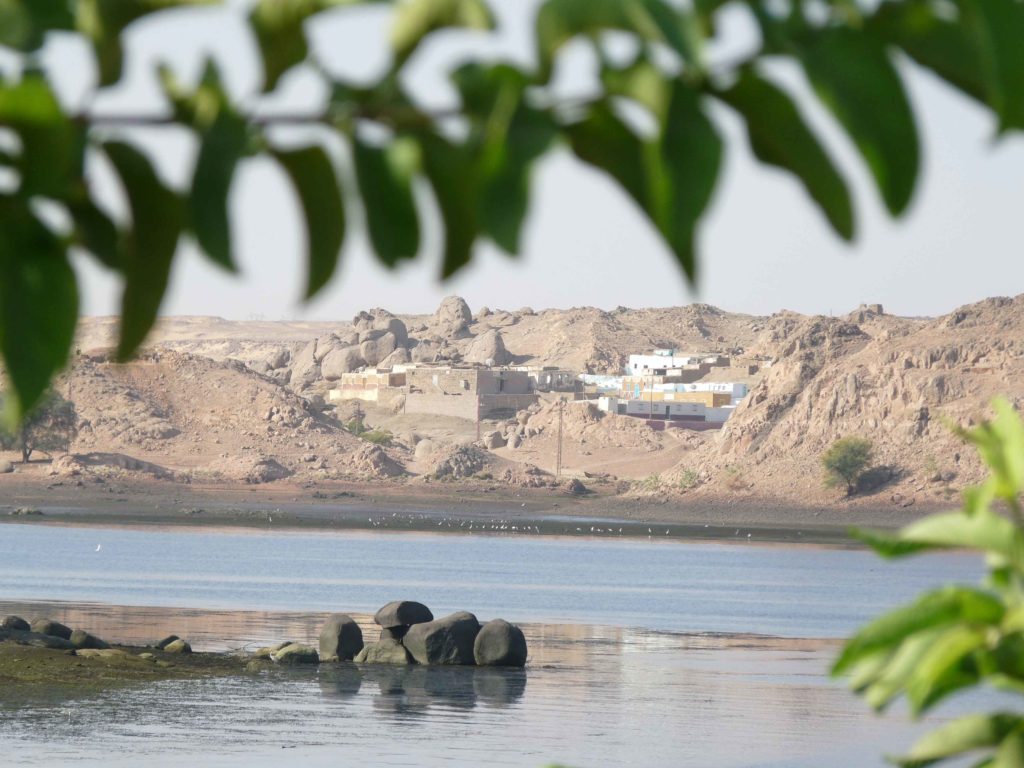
(341, 639)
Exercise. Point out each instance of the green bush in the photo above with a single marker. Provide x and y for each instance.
(650, 483)
(688, 479)
(957, 637)
(845, 461)
(378, 436)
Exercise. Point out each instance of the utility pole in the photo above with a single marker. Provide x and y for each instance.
(558, 459)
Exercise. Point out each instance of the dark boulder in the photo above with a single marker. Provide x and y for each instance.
(52, 628)
(82, 639)
(444, 641)
(340, 639)
(178, 646)
(385, 651)
(403, 613)
(167, 641)
(16, 622)
(500, 644)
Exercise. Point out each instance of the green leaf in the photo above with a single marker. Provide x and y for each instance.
(511, 135)
(654, 21)
(983, 530)
(671, 179)
(384, 176)
(53, 148)
(901, 666)
(1011, 752)
(887, 544)
(24, 23)
(313, 177)
(931, 676)
(103, 22)
(223, 146)
(1001, 446)
(853, 75)
(452, 173)
(415, 19)
(779, 137)
(932, 609)
(998, 29)
(943, 46)
(961, 735)
(96, 232)
(157, 219)
(38, 304)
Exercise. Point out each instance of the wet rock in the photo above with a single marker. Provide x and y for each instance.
(266, 653)
(51, 628)
(384, 651)
(402, 613)
(444, 641)
(82, 639)
(340, 639)
(500, 644)
(16, 622)
(178, 646)
(296, 653)
(166, 641)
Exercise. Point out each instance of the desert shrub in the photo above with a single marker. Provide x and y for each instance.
(845, 461)
(650, 483)
(378, 436)
(688, 479)
(734, 479)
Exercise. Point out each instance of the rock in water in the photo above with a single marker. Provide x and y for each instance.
(167, 641)
(51, 628)
(16, 622)
(384, 651)
(296, 653)
(403, 613)
(500, 644)
(340, 639)
(82, 639)
(444, 641)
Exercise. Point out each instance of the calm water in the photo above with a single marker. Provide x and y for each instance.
(641, 653)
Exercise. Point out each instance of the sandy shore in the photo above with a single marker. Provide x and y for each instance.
(441, 507)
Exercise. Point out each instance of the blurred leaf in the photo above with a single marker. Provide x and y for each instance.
(779, 137)
(886, 543)
(931, 677)
(223, 147)
(279, 31)
(157, 219)
(932, 609)
(415, 19)
(1011, 752)
(451, 170)
(986, 531)
(559, 21)
(96, 232)
(1001, 446)
(385, 185)
(943, 46)
(512, 135)
(53, 148)
(961, 735)
(671, 179)
(24, 23)
(313, 177)
(852, 73)
(38, 304)
(104, 21)
(641, 82)
(901, 665)
(998, 29)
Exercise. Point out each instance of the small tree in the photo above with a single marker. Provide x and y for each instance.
(48, 427)
(845, 461)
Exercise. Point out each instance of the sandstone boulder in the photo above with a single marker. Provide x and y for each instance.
(305, 367)
(493, 440)
(341, 360)
(426, 351)
(340, 639)
(384, 651)
(444, 641)
(402, 613)
(375, 350)
(400, 356)
(267, 471)
(277, 358)
(488, 349)
(5, 467)
(453, 316)
(51, 628)
(500, 644)
(178, 646)
(424, 448)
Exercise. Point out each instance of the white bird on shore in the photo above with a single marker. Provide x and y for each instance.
(99, 547)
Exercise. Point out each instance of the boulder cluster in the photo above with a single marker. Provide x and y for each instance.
(409, 634)
(47, 633)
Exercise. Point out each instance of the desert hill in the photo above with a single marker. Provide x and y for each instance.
(244, 400)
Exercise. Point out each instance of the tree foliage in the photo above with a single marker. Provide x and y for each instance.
(845, 461)
(49, 426)
(957, 637)
(508, 116)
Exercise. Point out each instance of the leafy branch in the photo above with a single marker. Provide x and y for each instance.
(481, 178)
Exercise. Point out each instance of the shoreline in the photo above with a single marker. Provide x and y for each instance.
(466, 509)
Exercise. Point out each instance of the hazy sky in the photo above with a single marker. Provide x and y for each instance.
(764, 246)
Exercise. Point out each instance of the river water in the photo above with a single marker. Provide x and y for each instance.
(641, 652)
